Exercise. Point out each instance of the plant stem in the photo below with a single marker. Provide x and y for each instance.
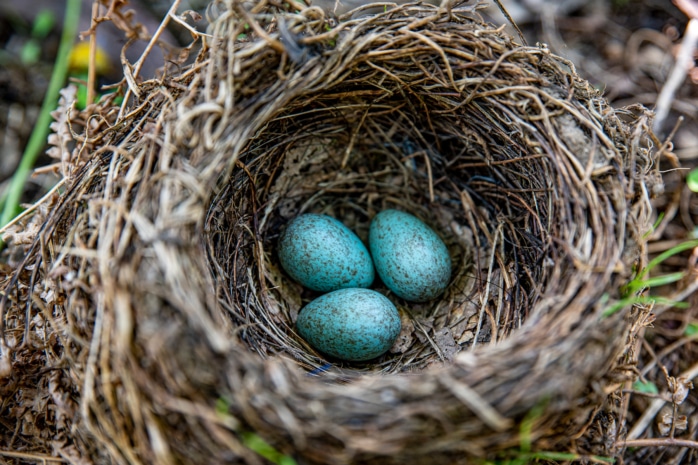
(37, 140)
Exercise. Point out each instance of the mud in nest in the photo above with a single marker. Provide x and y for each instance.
(151, 303)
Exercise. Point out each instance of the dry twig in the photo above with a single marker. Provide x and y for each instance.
(684, 62)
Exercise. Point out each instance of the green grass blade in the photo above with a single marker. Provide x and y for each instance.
(691, 330)
(37, 140)
(654, 227)
(613, 308)
(656, 281)
(260, 446)
(666, 254)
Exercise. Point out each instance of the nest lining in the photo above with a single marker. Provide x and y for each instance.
(377, 141)
(159, 259)
(311, 170)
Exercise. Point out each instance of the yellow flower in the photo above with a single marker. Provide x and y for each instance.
(80, 59)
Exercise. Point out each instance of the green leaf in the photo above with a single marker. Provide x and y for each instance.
(43, 23)
(254, 442)
(222, 406)
(691, 329)
(692, 180)
(30, 52)
(647, 387)
(666, 254)
(81, 102)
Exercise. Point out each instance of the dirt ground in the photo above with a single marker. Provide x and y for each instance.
(625, 47)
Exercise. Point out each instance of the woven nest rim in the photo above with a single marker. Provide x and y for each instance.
(162, 304)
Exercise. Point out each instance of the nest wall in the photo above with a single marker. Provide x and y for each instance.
(151, 311)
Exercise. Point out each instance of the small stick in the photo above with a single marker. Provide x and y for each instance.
(23, 455)
(186, 26)
(659, 442)
(92, 68)
(146, 52)
(29, 210)
(511, 21)
(487, 287)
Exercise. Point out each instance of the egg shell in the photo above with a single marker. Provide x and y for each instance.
(409, 256)
(350, 324)
(323, 254)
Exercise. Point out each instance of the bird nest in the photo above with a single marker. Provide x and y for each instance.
(150, 311)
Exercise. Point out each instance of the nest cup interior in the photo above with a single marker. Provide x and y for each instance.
(479, 173)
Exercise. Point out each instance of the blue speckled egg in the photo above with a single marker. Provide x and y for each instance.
(324, 255)
(409, 256)
(350, 324)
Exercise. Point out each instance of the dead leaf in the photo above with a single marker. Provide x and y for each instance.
(406, 337)
(444, 340)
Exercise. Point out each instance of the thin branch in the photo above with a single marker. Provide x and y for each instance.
(659, 442)
(146, 52)
(511, 21)
(92, 68)
(31, 209)
(684, 62)
(38, 457)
